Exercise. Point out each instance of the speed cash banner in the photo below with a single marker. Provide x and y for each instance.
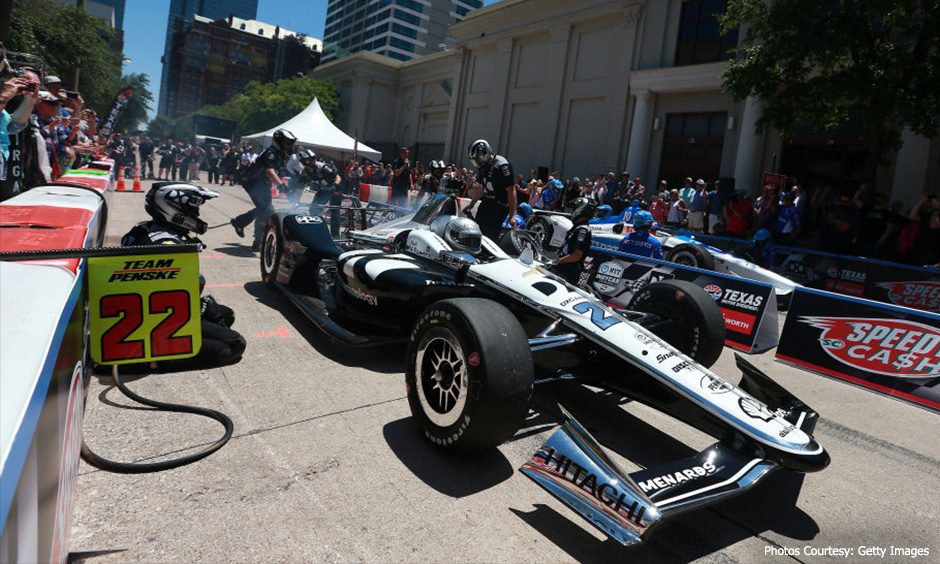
(749, 307)
(144, 307)
(888, 349)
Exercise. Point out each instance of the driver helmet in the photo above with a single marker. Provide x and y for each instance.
(642, 220)
(583, 211)
(463, 234)
(762, 236)
(525, 210)
(176, 205)
(478, 152)
(604, 211)
(284, 140)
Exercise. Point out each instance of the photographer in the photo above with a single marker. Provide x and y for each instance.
(12, 124)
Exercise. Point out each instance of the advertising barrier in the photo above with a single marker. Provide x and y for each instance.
(872, 279)
(748, 307)
(889, 349)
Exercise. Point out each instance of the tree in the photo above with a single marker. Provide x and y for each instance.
(160, 127)
(873, 65)
(264, 105)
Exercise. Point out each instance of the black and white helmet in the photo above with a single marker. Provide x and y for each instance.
(307, 157)
(284, 140)
(478, 152)
(460, 233)
(176, 205)
(583, 211)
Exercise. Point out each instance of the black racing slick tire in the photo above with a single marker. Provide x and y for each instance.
(470, 374)
(685, 316)
(515, 242)
(542, 228)
(272, 249)
(690, 254)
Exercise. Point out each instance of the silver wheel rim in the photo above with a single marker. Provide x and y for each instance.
(539, 229)
(441, 372)
(268, 250)
(686, 258)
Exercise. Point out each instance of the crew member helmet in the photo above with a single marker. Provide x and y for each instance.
(307, 157)
(762, 235)
(525, 210)
(176, 205)
(584, 211)
(284, 140)
(478, 152)
(642, 220)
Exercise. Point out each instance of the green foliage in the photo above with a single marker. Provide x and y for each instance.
(160, 127)
(874, 64)
(134, 115)
(264, 105)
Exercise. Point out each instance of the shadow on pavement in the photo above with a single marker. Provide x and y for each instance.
(240, 250)
(770, 506)
(385, 359)
(454, 474)
(79, 557)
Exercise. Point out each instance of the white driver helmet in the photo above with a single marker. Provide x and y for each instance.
(461, 233)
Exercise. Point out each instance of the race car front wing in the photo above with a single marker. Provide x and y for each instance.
(573, 467)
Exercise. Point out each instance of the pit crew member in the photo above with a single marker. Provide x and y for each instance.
(494, 185)
(257, 182)
(577, 243)
(640, 242)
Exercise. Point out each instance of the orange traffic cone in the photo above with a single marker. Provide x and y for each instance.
(273, 190)
(120, 183)
(137, 187)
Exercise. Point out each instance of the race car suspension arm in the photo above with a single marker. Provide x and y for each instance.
(545, 339)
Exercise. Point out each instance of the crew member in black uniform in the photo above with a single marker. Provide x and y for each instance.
(494, 186)
(174, 208)
(257, 182)
(320, 175)
(577, 243)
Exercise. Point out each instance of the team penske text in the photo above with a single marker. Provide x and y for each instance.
(145, 270)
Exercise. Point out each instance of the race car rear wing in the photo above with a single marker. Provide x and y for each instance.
(573, 467)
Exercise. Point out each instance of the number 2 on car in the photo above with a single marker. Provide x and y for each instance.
(144, 307)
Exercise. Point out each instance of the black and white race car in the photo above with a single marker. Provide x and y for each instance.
(483, 327)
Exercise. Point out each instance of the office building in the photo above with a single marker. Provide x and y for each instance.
(601, 86)
(182, 12)
(400, 29)
(212, 60)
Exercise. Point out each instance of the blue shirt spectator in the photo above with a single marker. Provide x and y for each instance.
(550, 194)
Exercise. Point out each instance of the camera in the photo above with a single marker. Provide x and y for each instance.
(71, 95)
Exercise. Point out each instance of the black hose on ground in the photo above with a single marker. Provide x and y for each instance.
(144, 468)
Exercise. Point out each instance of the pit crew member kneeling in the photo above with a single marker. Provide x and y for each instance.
(577, 243)
(174, 208)
(640, 242)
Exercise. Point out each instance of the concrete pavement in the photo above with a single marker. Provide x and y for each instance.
(326, 465)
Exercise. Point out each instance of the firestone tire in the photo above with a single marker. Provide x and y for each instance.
(514, 243)
(470, 374)
(542, 228)
(272, 249)
(690, 254)
(685, 316)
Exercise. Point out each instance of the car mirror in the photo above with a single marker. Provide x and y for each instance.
(618, 228)
(527, 257)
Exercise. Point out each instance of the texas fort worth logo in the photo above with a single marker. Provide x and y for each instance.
(892, 347)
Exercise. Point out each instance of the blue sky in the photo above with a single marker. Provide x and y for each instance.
(145, 30)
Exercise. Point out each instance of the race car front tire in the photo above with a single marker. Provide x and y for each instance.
(685, 316)
(543, 230)
(690, 254)
(515, 242)
(469, 375)
(272, 249)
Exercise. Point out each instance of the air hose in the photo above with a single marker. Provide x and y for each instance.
(144, 468)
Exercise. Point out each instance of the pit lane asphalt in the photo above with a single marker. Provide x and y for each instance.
(326, 465)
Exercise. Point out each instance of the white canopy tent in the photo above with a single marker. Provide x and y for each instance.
(314, 130)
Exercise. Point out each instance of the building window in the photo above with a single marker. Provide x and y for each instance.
(700, 39)
(401, 44)
(692, 146)
(404, 31)
(406, 17)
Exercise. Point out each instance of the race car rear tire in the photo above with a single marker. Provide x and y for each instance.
(690, 254)
(272, 249)
(543, 230)
(469, 374)
(514, 243)
(685, 316)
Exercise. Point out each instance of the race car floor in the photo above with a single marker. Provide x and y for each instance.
(326, 465)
